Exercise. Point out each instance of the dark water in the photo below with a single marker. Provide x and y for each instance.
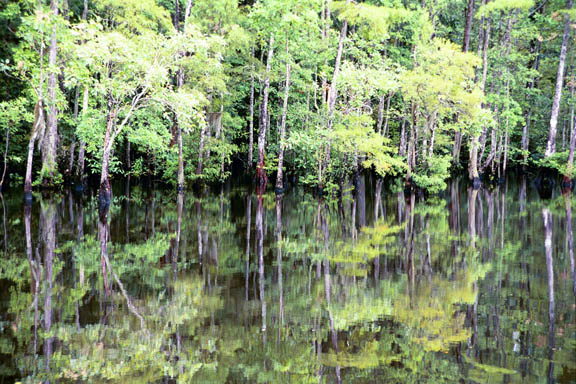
(472, 286)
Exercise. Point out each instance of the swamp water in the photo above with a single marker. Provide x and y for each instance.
(471, 286)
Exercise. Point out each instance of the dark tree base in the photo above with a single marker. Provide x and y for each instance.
(104, 198)
(545, 183)
(476, 183)
(28, 197)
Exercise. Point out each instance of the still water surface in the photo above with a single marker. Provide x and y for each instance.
(229, 286)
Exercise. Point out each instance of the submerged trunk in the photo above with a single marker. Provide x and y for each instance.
(279, 176)
(264, 120)
(551, 143)
(50, 142)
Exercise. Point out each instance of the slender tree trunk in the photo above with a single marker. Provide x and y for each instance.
(251, 131)
(188, 10)
(380, 120)
(70, 171)
(551, 144)
(6, 143)
(37, 129)
(325, 29)
(468, 25)
(465, 48)
(105, 189)
(402, 147)
(280, 174)
(387, 116)
(383, 115)
(82, 150)
(332, 96)
(568, 178)
(50, 142)
(264, 120)
(533, 83)
(476, 141)
(200, 165)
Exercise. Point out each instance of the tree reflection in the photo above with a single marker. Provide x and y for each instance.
(341, 290)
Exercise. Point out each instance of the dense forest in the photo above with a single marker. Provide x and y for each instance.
(313, 91)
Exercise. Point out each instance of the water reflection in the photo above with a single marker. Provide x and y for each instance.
(235, 286)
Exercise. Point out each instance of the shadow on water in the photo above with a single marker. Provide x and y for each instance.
(234, 285)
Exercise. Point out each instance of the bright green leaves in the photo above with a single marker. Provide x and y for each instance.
(134, 16)
(504, 6)
(375, 20)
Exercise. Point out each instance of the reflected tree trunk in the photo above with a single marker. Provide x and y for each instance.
(103, 236)
(48, 236)
(260, 255)
(35, 270)
(569, 234)
(248, 230)
(279, 255)
(548, 246)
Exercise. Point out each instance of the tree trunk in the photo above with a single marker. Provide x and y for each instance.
(82, 150)
(568, 178)
(188, 10)
(383, 115)
(551, 144)
(201, 149)
(380, 120)
(468, 26)
(333, 95)
(251, 131)
(38, 127)
(387, 116)
(279, 176)
(105, 189)
(473, 167)
(264, 121)
(50, 142)
(7, 142)
(402, 147)
(486, 42)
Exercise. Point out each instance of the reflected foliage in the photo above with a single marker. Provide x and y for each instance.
(232, 286)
